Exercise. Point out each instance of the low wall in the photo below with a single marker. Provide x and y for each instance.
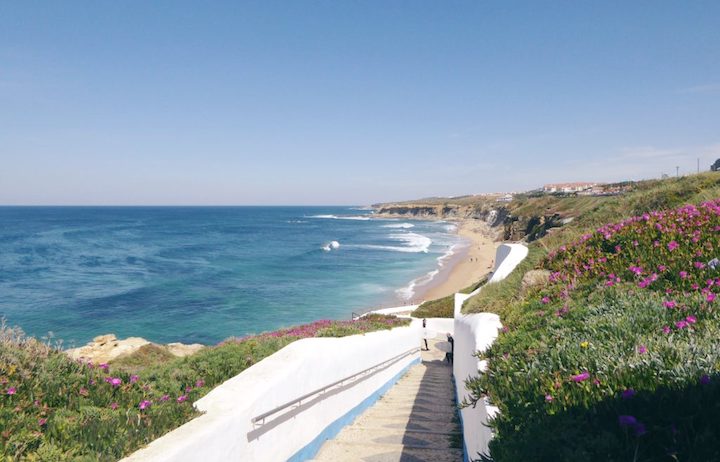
(225, 431)
(473, 333)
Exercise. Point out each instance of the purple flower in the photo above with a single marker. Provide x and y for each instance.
(681, 324)
(182, 398)
(113, 406)
(627, 421)
(666, 330)
(545, 300)
(683, 274)
(640, 429)
(670, 304)
(691, 319)
(104, 366)
(580, 377)
(642, 349)
(144, 404)
(672, 245)
(164, 398)
(200, 384)
(548, 398)
(628, 393)
(114, 381)
(134, 378)
(705, 379)
(710, 297)
(11, 391)
(42, 421)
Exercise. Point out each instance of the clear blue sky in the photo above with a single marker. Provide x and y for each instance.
(348, 102)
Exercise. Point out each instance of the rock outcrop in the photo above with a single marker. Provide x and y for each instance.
(105, 348)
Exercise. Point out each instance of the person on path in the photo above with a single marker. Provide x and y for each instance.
(449, 355)
(425, 334)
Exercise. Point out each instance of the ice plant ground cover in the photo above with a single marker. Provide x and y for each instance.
(53, 408)
(618, 357)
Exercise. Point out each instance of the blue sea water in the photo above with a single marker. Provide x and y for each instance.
(202, 274)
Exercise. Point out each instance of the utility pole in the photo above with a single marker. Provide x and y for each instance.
(677, 172)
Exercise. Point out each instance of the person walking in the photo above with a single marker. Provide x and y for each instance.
(449, 355)
(425, 334)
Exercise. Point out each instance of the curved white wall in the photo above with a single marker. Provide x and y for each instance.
(225, 431)
(473, 333)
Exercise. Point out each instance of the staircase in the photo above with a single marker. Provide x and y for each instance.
(415, 421)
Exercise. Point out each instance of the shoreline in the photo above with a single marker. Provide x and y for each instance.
(467, 266)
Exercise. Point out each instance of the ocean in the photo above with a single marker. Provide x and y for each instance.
(202, 274)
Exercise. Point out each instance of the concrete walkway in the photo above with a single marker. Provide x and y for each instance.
(415, 421)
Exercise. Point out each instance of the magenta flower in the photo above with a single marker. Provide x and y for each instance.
(628, 393)
(134, 378)
(580, 377)
(669, 304)
(710, 297)
(200, 384)
(691, 319)
(666, 330)
(672, 245)
(545, 300)
(642, 349)
(699, 265)
(42, 422)
(188, 389)
(104, 366)
(683, 274)
(113, 406)
(114, 381)
(182, 398)
(165, 398)
(11, 391)
(627, 421)
(548, 398)
(681, 324)
(144, 404)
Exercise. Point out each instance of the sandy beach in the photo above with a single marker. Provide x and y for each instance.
(467, 266)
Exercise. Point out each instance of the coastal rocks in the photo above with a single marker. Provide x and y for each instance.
(105, 348)
(529, 228)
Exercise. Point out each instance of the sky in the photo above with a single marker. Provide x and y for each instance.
(348, 102)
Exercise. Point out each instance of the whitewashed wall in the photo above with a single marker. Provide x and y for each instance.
(225, 432)
(473, 333)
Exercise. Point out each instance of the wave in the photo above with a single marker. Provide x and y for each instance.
(296, 221)
(400, 225)
(332, 245)
(336, 217)
(407, 292)
(415, 243)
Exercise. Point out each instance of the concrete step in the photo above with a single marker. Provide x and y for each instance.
(355, 434)
(415, 416)
(421, 426)
(362, 452)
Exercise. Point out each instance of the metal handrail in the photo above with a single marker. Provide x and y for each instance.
(385, 363)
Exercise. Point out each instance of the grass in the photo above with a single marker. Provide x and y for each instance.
(444, 307)
(53, 408)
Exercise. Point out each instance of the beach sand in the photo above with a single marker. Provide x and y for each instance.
(467, 266)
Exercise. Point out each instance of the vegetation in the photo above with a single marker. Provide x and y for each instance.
(53, 408)
(617, 357)
(444, 307)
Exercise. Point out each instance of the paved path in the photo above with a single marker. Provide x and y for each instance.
(415, 421)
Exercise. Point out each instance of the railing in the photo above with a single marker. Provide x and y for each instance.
(260, 419)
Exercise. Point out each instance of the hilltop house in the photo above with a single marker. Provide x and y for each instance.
(568, 187)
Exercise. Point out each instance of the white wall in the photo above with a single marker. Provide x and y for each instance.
(473, 333)
(225, 432)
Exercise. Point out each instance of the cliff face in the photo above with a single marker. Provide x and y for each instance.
(499, 217)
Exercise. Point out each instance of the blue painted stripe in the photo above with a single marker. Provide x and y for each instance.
(312, 448)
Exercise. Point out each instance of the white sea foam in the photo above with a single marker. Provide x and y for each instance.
(407, 292)
(400, 225)
(332, 245)
(415, 243)
(336, 217)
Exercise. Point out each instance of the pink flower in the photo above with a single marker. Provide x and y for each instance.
(548, 398)
(642, 349)
(200, 384)
(182, 398)
(84, 392)
(113, 406)
(144, 404)
(683, 274)
(691, 319)
(672, 245)
(545, 300)
(114, 381)
(699, 265)
(710, 297)
(666, 330)
(669, 304)
(681, 324)
(134, 378)
(104, 366)
(165, 398)
(42, 421)
(11, 391)
(580, 377)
